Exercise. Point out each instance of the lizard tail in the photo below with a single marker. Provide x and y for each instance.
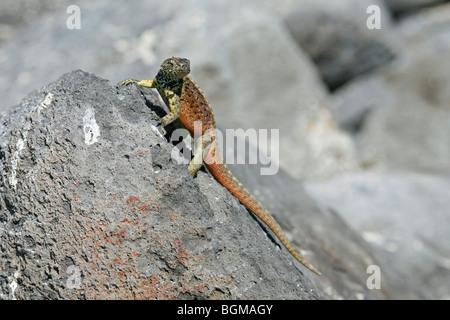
(224, 176)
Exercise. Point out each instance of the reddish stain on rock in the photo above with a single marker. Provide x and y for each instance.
(133, 199)
(135, 254)
(144, 153)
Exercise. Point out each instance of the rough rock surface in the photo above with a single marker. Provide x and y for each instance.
(96, 205)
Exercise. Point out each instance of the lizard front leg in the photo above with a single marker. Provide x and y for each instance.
(197, 161)
(149, 83)
(170, 98)
(172, 101)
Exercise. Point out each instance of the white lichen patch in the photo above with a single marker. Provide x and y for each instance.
(13, 285)
(20, 145)
(90, 127)
(45, 103)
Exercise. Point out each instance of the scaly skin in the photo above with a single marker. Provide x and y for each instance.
(187, 103)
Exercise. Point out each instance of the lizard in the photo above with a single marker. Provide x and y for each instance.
(188, 104)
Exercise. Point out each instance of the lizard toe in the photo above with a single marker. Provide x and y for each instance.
(125, 82)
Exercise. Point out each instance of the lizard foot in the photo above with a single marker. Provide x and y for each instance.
(125, 82)
(163, 131)
(161, 125)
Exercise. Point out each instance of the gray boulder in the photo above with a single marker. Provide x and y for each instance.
(96, 205)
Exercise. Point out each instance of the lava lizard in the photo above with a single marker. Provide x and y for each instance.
(188, 104)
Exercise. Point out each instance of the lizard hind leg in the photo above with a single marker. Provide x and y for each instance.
(205, 147)
(197, 161)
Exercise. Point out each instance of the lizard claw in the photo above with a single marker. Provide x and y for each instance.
(125, 82)
(161, 125)
(164, 132)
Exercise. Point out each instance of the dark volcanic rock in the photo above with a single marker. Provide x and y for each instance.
(95, 206)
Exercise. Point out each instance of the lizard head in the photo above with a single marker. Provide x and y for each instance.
(175, 68)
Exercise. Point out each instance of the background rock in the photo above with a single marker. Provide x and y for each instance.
(404, 216)
(336, 36)
(14, 15)
(405, 104)
(408, 6)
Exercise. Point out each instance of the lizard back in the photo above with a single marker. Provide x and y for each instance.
(195, 107)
